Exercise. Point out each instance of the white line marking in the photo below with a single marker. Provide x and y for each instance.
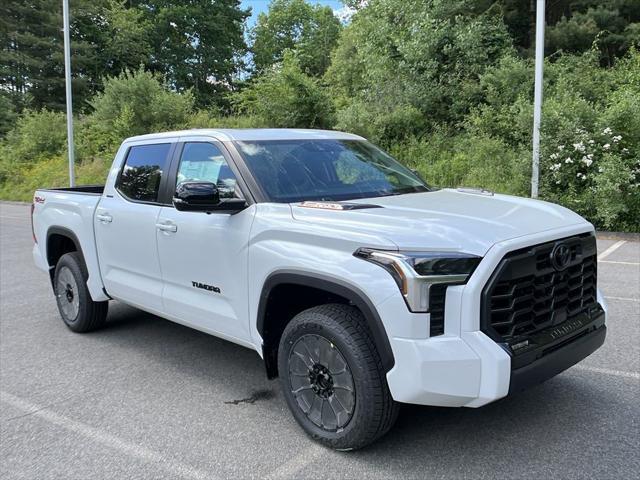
(627, 299)
(291, 468)
(172, 467)
(617, 373)
(11, 216)
(611, 249)
(620, 263)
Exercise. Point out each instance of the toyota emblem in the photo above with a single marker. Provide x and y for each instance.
(560, 256)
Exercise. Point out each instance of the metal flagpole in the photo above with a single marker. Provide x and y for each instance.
(537, 97)
(67, 79)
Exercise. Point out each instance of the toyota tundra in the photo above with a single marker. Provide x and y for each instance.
(359, 285)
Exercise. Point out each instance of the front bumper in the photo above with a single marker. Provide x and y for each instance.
(473, 370)
(465, 367)
(557, 361)
(452, 370)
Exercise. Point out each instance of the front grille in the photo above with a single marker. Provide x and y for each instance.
(527, 294)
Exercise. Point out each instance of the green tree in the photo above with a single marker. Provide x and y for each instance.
(613, 24)
(197, 44)
(7, 114)
(287, 97)
(128, 37)
(311, 31)
(31, 54)
(403, 65)
(106, 37)
(573, 25)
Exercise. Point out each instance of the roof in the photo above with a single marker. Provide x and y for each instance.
(253, 134)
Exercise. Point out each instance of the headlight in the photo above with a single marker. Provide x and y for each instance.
(415, 272)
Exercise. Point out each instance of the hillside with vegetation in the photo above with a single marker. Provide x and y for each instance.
(445, 86)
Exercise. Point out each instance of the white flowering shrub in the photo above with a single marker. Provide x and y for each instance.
(597, 175)
(580, 161)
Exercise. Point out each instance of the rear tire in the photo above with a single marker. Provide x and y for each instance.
(332, 377)
(77, 309)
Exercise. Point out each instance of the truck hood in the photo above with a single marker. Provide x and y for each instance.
(449, 220)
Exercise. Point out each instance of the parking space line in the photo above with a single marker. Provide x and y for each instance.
(611, 249)
(619, 263)
(175, 469)
(617, 373)
(292, 468)
(626, 299)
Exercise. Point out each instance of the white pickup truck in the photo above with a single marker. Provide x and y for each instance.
(359, 285)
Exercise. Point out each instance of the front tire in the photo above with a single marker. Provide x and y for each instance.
(332, 377)
(77, 309)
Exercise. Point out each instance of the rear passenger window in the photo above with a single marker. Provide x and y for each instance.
(140, 177)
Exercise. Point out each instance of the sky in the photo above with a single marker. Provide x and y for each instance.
(260, 6)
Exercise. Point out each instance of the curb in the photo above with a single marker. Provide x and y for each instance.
(630, 236)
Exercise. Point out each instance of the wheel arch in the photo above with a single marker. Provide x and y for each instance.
(333, 288)
(60, 240)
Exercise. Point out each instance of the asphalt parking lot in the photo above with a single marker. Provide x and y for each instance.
(146, 398)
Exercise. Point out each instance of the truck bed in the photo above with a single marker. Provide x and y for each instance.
(68, 211)
(84, 189)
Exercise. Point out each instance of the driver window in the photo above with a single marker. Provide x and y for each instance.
(204, 162)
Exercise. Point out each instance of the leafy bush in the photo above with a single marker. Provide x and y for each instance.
(591, 142)
(287, 97)
(582, 103)
(597, 176)
(467, 160)
(51, 172)
(384, 126)
(208, 119)
(133, 103)
(416, 55)
(36, 136)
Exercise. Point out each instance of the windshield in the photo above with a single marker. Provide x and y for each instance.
(327, 170)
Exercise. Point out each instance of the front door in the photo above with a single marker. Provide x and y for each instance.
(125, 228)
(203, 256)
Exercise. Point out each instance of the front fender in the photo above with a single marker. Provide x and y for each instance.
(337, 287)
(283, 250)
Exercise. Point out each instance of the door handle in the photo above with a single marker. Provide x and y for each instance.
(104, 217)
(167, 227)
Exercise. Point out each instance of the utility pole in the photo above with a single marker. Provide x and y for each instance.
(67, 80)
(537, 97)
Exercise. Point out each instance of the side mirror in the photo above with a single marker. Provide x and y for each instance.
(204, 197)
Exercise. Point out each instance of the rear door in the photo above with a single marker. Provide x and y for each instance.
(125, 224)
(203, 256)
